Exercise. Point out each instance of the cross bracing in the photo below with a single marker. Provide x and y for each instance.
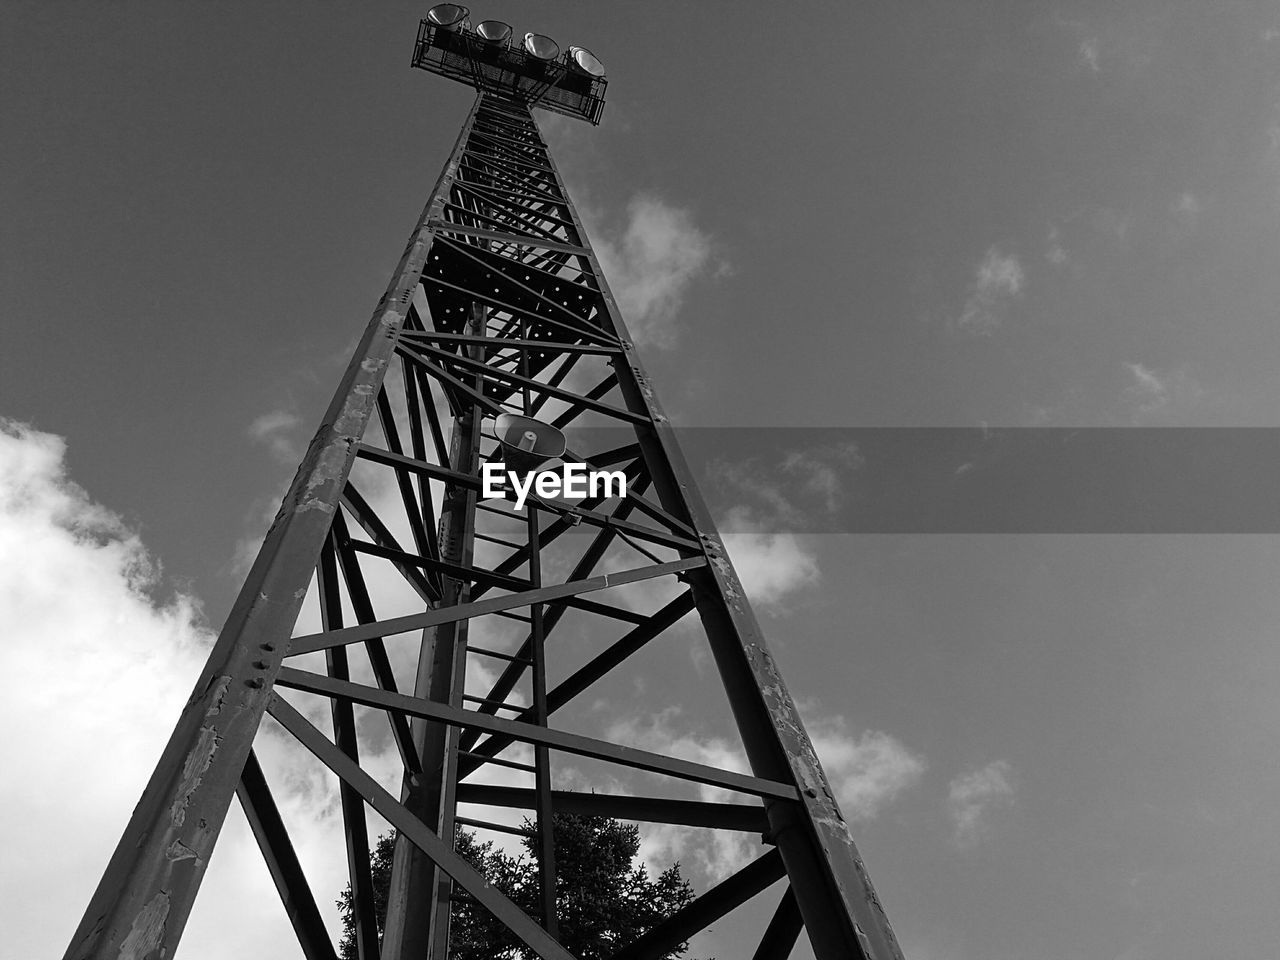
(498, 306)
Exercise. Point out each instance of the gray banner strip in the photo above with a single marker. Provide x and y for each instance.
(983, 480)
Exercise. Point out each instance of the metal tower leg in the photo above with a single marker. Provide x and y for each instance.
(498, 306)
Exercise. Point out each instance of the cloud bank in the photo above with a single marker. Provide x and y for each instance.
(95, 666)
(650, 265)
(93, 671)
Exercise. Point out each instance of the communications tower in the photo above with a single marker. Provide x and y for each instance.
(497, 340)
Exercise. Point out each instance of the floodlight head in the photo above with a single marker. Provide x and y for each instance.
(527, 443)
(448, 16)
(487, 57)
(493, 31)
(584, 61)
(541, 46)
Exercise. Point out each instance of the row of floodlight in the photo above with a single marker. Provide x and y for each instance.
(453, 17)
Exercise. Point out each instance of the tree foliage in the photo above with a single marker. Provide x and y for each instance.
(604, 898)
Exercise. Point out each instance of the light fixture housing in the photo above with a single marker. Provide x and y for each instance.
(493, 31)
(489, 57)
(584, 61)
(527, 443)
(541, 46)
(448, 16)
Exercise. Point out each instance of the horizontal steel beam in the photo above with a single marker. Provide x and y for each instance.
(688, 813)
(592, 671)
(540, 736)
(518, 239)
(550, 346)
(465, 611)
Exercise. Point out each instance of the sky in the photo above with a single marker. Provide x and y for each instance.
(982, 215)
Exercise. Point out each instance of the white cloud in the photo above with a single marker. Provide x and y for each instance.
(771, 566)
(1159, 395)
(998, 279)
(999, 274)
(651, 264)
(771, 562)
(94, 669)
(867, 771)
(1056, 253)
(972, 796)
(277, 431)
(719, 854)
(823, 471)
(1148, 391)
(1116, 42)
(1186, 208)
(1187, 204)
(1089, 54)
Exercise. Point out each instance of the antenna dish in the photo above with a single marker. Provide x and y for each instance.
(540, 46)
(584, 61)
(494, 31)
(447, 16)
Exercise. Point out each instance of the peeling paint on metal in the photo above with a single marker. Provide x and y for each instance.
(716, 554)
(180, 851)
(219, 691)
(147, 932)
(198, 761)
(864, 940)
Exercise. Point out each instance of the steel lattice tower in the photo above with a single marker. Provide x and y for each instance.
(498, 306)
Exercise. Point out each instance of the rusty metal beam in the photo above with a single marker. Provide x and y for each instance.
(533, 734)
(430, 618)
(742, 817)
(146, 893)
(473, 274)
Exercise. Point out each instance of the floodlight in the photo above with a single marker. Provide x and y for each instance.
(585, 61)
(447, 16)
(530, 68)
(527, 443)
(540, 46)
(494, 31)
